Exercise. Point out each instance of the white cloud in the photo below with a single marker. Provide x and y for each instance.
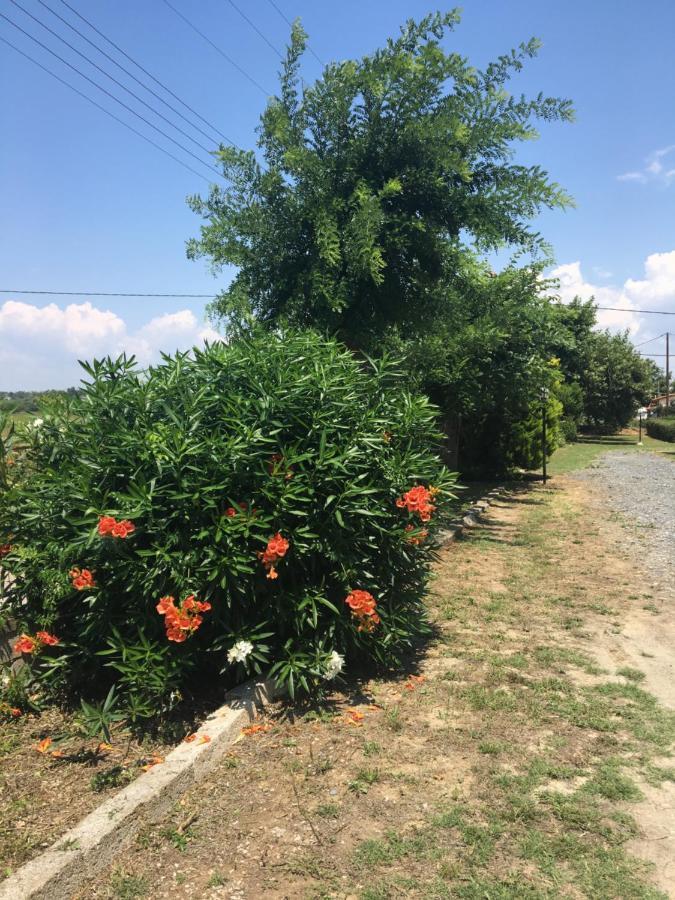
(654, 169)
(40, 345)
(655, 291)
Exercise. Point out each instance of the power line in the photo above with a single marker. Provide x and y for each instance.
(106, 294)
(145, 71)
(112, 96)
(643, 312)
(108, 113)
(657, 338)
(256, 29)
(212, 296)
(112, 78)
(130, 74)
(216, 48)
(290, 25)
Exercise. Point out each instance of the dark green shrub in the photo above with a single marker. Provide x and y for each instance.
(210, 455)
(663, 429)
(503, 442)
(568, 430)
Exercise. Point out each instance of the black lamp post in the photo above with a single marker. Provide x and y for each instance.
(543, 394)
(642, 414)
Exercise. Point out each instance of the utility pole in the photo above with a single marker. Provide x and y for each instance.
(667, 370)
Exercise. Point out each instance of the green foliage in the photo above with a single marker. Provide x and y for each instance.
(210, 455)
(613, 378)
(371, 180)
(375, 182)
(663, 429)
(568, 430)
(98, 719)
(29, 401)
(484, 363)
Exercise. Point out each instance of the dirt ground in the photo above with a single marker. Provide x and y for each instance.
(45, 790)
(523, 754)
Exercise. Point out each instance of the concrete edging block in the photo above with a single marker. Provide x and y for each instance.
(97, 839)
(470, 518)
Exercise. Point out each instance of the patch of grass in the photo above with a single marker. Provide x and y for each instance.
(490, 747)
(364, 779)
(179, 838)
(328, 810)
(371, 748)
(609, 782)
(631, 674)
(124, 886)
(393, 719)
(377, 892)
(117, 776)
(588, 448)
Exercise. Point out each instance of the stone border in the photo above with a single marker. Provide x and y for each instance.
(470, 518)
(96, 840)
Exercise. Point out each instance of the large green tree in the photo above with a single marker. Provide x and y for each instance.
(612, 376)
(370, 182)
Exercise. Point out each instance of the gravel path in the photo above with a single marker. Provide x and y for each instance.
(641, 486)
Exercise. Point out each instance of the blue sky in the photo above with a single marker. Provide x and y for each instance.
(88, 206)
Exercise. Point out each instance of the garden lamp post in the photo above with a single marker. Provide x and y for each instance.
(642, 415)
(543, 394)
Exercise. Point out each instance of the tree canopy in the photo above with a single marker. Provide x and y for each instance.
(369, 184)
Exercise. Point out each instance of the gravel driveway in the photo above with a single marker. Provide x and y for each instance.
(641, 486)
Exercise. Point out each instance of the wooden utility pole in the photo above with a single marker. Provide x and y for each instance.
(667, 370)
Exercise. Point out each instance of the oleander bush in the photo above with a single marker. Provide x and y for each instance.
(663, 429)
(259, 507)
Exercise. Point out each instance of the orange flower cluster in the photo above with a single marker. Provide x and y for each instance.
(182, 621)
(108, 526)
(418, 538)
(232, 510)
(276, 549)
(27, 644)
(5, 549)
(82, 578)
(256, 729)
(362, 605)
(12, 712)
(418, 500)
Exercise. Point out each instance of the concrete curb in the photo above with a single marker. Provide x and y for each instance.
(97, 839)
(470, 518)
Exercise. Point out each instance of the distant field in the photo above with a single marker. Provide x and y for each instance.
(21, 418)
(589, 447)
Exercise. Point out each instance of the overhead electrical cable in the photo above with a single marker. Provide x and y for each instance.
(109, 94)
(216, 48)
(145, 71)
(657, 338)
(213, 296)
(290, 24)
(131, 75)
(112, 78)
(642, 312)
(108, 113)
(256, 29)
(106, 294)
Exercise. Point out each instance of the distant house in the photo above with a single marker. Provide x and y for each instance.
(661, 400)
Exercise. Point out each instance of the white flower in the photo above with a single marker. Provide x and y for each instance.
(334, 665)
(36, 423)
(239, 651)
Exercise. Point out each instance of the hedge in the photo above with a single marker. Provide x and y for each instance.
(265, 506)
(663, 429)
